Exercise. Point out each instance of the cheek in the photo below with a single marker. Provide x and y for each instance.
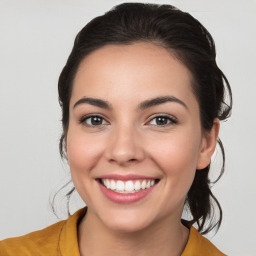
(83, 152)
(177, 158)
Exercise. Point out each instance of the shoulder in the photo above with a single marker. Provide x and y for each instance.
(57, 239)
(35, 243)
(200, 246)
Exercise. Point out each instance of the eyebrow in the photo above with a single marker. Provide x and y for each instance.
(95, 102)
(160, 100)
(142, 106)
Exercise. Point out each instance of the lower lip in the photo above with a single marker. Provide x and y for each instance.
(125, 198)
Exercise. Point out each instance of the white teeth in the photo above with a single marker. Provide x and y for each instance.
(143, 184)
(107, 183)
(137, 185)
(129, 186)
(112, 185)
(120, 185)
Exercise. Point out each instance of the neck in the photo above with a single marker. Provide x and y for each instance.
(167, 238)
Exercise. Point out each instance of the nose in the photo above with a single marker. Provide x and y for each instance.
(125, 146)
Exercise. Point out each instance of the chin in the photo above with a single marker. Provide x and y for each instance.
(127, 223)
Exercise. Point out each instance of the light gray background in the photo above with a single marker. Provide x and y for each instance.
(35, 40)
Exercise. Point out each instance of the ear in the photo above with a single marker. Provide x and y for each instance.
(208, 144)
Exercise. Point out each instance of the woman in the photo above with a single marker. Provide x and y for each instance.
(141, 98)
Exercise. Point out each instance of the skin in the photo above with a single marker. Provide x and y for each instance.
(129, 141)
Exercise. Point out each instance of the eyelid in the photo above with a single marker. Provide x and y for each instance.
(85, 117)
(173, 120)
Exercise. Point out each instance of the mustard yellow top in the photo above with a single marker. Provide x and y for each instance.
(60, 239)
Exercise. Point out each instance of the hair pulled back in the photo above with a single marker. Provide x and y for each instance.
(185, 38)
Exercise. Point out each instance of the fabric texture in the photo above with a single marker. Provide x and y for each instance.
(60, 239)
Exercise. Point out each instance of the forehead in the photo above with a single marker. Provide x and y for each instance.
(135, 71)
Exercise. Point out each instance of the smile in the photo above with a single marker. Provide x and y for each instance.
(126, 189)
(128, 186)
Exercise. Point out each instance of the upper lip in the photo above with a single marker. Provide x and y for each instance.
(126, 177)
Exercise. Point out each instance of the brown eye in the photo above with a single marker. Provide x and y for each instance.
(162, 121)
(93, 121)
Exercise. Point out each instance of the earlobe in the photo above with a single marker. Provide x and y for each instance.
(208, 145)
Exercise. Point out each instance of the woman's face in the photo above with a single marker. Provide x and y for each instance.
(134, 139)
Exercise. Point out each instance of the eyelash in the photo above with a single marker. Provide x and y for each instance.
(85, 118)
(171, 120)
